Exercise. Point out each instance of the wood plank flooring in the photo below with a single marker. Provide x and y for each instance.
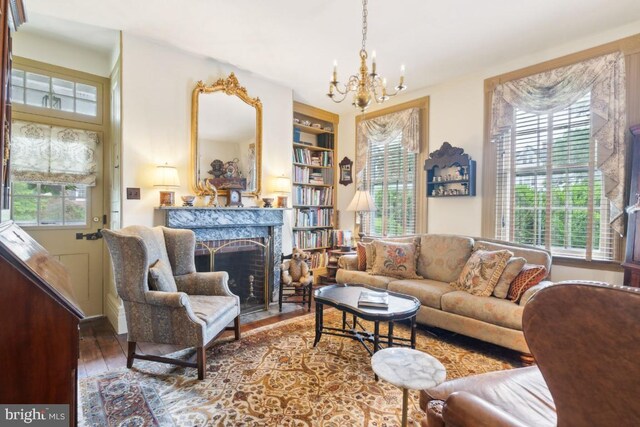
(102, 350)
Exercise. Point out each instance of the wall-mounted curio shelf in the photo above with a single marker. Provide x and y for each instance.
(450, 173)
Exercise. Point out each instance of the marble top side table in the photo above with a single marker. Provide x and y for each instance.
(408, 369)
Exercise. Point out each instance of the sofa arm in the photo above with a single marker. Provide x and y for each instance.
(348, 262)
(465, 409)
(166, 299)
(212, 283)
(533, 290)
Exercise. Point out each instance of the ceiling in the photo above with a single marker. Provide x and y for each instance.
(294, 43)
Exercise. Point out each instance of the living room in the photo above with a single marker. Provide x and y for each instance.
(438, 152)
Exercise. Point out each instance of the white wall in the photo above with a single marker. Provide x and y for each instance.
(62, 54)
(456, 115)
(157, 84)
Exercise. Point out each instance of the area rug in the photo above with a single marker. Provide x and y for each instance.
(274, 376)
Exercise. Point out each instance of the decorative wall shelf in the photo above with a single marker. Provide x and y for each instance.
(450, 173)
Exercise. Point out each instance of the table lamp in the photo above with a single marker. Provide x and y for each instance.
(362, 202)
(166, 177)
(282, 186)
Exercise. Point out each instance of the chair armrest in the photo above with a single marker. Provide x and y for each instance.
(348, 262)
(213, 283)
(532, 291)
(167, 299)
(465, 409)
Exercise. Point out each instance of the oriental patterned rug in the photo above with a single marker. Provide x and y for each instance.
(274, 376)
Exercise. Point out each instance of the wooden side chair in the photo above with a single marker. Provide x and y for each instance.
(295, 292)
(165, 300)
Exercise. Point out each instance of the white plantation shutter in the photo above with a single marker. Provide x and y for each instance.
(549, 192)
(390, 177)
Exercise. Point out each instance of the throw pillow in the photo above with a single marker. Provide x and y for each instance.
(361, 251)
(161, 278)
(371, 249)
(395, 260)
(530, 276)
(511, 271)
(482, 271)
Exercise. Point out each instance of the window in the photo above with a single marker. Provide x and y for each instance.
(36, 204)
(548, 191)
(41, 90)
(390, 178)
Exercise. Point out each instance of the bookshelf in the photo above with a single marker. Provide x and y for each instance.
(314, 179)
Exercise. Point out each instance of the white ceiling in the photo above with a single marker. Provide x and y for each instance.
(295, 42)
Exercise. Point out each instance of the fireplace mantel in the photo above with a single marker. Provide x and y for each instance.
(211, 224)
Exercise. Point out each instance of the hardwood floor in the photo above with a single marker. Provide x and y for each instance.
(102, 350)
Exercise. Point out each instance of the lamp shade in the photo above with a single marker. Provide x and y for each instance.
(282, 184)
(166, 176)
(362, 202)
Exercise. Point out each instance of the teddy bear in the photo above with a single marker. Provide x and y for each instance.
(296, 269)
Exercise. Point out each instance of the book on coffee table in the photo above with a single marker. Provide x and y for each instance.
(373, 299)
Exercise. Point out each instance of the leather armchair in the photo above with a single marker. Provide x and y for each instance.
(585, 338)
(193, 315)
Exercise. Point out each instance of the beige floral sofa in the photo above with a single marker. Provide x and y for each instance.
(441, 259)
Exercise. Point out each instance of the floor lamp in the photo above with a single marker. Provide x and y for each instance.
(362, 202)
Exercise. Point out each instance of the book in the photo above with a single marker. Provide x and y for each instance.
(373, 299)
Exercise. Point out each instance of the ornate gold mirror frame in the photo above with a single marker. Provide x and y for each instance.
(229, 86)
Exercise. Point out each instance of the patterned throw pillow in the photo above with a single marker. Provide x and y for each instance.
(511, 271)
(395, 259)
(361, 250)
(482, 271)
(161, 278)
(530, 276)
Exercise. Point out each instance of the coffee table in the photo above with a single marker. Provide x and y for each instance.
(345, 299)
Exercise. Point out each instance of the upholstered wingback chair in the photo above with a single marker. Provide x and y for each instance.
(165, 300)
(585, 338)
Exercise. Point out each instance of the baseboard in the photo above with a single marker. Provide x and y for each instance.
(115, 314)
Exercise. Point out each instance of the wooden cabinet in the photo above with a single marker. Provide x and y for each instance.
(315, 146)
(39, 318)
(450, 173)
(631, 262)
(12, 15)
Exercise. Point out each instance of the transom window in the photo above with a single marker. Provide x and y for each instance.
(53, 93)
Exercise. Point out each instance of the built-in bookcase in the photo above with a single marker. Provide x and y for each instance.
(314, 179)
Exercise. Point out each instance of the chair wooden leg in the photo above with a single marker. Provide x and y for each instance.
(310, 296)
(280, 298)
(202, 361)
(236, 327)
(131, 350)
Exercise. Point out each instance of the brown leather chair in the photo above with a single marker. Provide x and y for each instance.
(585, 338)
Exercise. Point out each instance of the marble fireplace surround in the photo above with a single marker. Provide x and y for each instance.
(212, 224)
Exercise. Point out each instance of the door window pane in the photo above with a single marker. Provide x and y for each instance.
(36, 204)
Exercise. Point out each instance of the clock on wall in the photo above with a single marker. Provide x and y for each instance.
(235, 197)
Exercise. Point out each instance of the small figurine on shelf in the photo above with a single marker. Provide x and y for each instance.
(296, 269)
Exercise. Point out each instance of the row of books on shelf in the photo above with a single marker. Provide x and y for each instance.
(311, 239)
(305, 176)
(319, 259)
(312, 196)
(325, 140)
(341, 237)
(315, 158)
(313, 217)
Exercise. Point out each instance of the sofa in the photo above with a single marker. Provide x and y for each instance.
(586, 374)
(441, 258)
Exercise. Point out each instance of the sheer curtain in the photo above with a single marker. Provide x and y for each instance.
(552, 91)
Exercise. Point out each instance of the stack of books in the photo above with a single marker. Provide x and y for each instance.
(316, 178)
(372, 299)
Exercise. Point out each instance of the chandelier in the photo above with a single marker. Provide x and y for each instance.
(364, 86)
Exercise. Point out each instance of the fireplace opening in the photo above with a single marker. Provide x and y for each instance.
(246, 261)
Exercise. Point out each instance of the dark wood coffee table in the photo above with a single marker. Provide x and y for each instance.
(345, 299)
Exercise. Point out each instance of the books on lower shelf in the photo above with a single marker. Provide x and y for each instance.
(312, 196)
(341, 238)
(373, 299)
(319, 260)
(312, 239)
(315, 158)
(313, 217)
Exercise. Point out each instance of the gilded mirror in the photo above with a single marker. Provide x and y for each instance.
(226, 137)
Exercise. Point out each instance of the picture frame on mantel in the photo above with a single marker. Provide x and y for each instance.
(346, 171)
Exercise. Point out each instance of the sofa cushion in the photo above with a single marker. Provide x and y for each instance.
(427, 291)
(395, 259)
(211, 308)
(531, 254)
(482, 272)
(530, 276)
(361, 253)
(356, 277)
(370, 248)
(492, 310)
(442, 257)
(511, 271)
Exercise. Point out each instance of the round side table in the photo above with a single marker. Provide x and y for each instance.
(408, 369)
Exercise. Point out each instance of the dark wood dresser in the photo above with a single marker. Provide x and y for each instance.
(39, 337)
(631, 262)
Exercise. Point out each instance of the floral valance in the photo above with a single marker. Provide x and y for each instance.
(604, 78)
(53, 154)
(384, 129)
